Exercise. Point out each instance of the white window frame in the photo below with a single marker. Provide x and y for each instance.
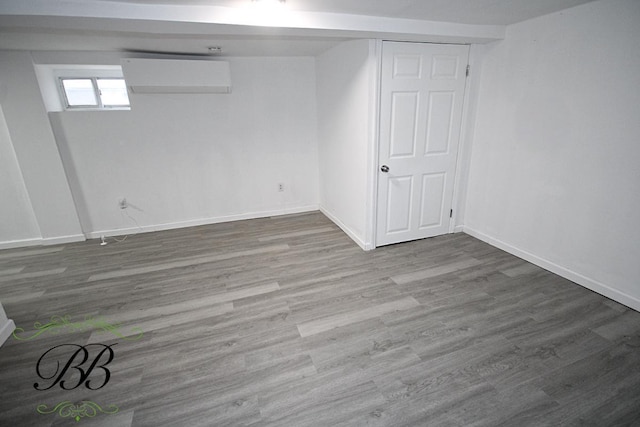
(96, 92)
(53, 95)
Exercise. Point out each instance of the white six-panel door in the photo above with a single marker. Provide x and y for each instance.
(421, 97)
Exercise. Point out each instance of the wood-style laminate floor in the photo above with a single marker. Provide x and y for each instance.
(286, 322)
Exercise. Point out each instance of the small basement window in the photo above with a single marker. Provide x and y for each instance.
(94, 93)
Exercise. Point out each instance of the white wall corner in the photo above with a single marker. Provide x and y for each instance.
(6, 326)
(35, 147)
(467, 128)
(568, 274)
(345, 137)
(19, 224)
(527, 186)
(349, 232)
(6, 329)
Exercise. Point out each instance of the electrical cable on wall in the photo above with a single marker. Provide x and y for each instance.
(123, 212)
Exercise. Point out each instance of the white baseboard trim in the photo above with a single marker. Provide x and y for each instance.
(42, 241)
(576, 277)
(458, 229)
(10, 244)
(6, 330)
(353, 236)
(64, 239)
(201, 221)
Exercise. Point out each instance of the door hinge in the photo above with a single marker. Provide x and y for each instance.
(451, 213)
(468, 69)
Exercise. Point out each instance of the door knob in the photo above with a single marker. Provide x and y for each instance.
(384, 168)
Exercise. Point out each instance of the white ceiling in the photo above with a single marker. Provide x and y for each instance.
(241, 27)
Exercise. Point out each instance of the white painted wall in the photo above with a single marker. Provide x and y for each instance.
(470, 108)
(18, 225)
(37, 155)
(345, 101)
(183, 160)
(555, 169)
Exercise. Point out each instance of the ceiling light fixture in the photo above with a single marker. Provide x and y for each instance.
(267, 13)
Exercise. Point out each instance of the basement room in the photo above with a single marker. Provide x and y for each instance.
(299, 213)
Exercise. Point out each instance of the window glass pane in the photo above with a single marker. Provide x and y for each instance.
(79, 92)
(113, 92)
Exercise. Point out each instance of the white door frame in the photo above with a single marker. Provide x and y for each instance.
(464, 149)
(374, 138)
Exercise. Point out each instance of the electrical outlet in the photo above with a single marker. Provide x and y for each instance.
(123, 203)
(280, 187)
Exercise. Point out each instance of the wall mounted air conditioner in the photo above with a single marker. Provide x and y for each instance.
(176, 76)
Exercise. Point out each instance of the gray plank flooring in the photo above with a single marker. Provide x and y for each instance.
(286, 322)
